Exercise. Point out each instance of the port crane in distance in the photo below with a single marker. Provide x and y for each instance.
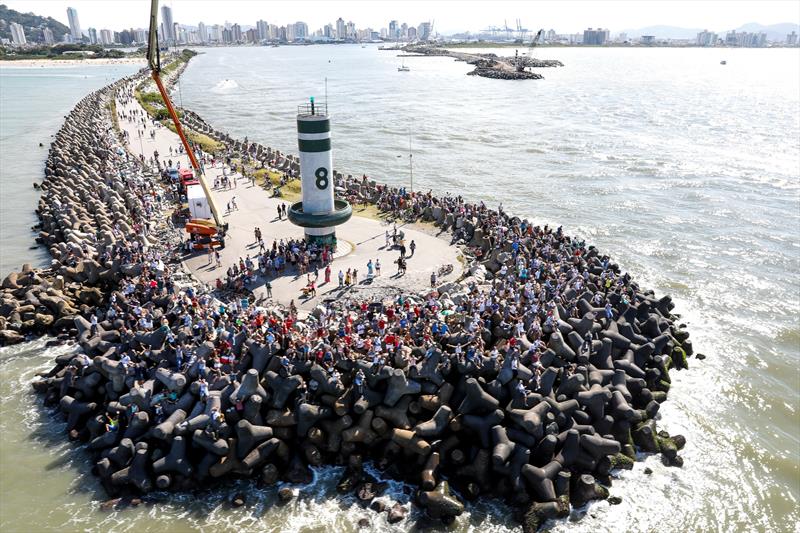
(211, 232)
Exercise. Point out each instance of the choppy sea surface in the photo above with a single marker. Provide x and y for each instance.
(686, 171)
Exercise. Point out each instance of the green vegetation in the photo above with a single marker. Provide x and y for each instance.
(153, 104)
(112, 108)
(62, 51)
(206, 143)
(32, 24)
(290, 191)
(185, 56)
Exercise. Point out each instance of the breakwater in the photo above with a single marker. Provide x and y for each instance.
(489, 65)
(467, 417)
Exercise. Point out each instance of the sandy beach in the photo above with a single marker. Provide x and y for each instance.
(50, 63)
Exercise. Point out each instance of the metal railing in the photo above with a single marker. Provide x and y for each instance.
(316, 108)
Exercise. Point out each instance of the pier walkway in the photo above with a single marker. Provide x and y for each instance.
(362, 238)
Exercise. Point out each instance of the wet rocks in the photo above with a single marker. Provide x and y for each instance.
(396, 514)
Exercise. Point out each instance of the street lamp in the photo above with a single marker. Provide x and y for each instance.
(410, 163)
(141, 146)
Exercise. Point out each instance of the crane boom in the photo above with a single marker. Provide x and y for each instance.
(154, 61)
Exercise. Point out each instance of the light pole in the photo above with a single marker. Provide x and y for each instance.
(141, 146)
(410, 163)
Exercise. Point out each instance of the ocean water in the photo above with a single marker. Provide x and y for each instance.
(687, 172)
(33, 103)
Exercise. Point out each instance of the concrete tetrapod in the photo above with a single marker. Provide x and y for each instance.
(440, 502)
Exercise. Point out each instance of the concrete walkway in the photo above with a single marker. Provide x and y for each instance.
(365, 237)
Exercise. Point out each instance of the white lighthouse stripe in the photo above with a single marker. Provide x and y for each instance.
(314, 136)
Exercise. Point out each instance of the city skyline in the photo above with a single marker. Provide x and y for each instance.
(473, 16)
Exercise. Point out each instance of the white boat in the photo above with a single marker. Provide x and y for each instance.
(403, 68)
(723, 62)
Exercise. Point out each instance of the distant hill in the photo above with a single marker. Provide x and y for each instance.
(33, 25)
(664, 32)
(775, 32)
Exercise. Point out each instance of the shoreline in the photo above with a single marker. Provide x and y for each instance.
(49, 63)
(585, 408)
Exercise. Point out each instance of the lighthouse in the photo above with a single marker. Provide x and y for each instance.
(319, 212)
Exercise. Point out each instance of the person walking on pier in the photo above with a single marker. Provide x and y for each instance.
(412, 247)
(327, 274)
(268, 286)
(280, 213)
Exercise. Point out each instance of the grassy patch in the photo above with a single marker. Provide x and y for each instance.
(290, 191)
(112, 108)
(371, 211)
(151, 101)
(206, 143)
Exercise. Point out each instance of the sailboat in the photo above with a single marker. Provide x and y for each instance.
(403, 67)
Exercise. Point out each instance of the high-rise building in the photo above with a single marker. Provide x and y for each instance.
(125, 37)
(169, 24)
(300, 30)
(350, 30)
(596, 37)
(140, 35)
(263, 30)
(424, 31)
(393, 33)
(550, 36)
(202, 32)
(47, 34)
(290, 33)
(215, 34)
(791, 39)
(92, 36)
(404, 31)
(74, 24)
(18, 34)
(706, 38)
(236, 33)
(745, 39)
(412, 33)
(340, 34)
(106, 37)
(329, 31)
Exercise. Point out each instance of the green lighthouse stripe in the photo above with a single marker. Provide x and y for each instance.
(313, 126)
(319, 145)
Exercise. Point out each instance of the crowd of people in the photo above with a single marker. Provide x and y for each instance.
(542, 264)
(521, 299)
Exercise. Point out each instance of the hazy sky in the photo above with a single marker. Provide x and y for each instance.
(566, 16)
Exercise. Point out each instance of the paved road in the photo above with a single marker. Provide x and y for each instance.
(364, 237)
